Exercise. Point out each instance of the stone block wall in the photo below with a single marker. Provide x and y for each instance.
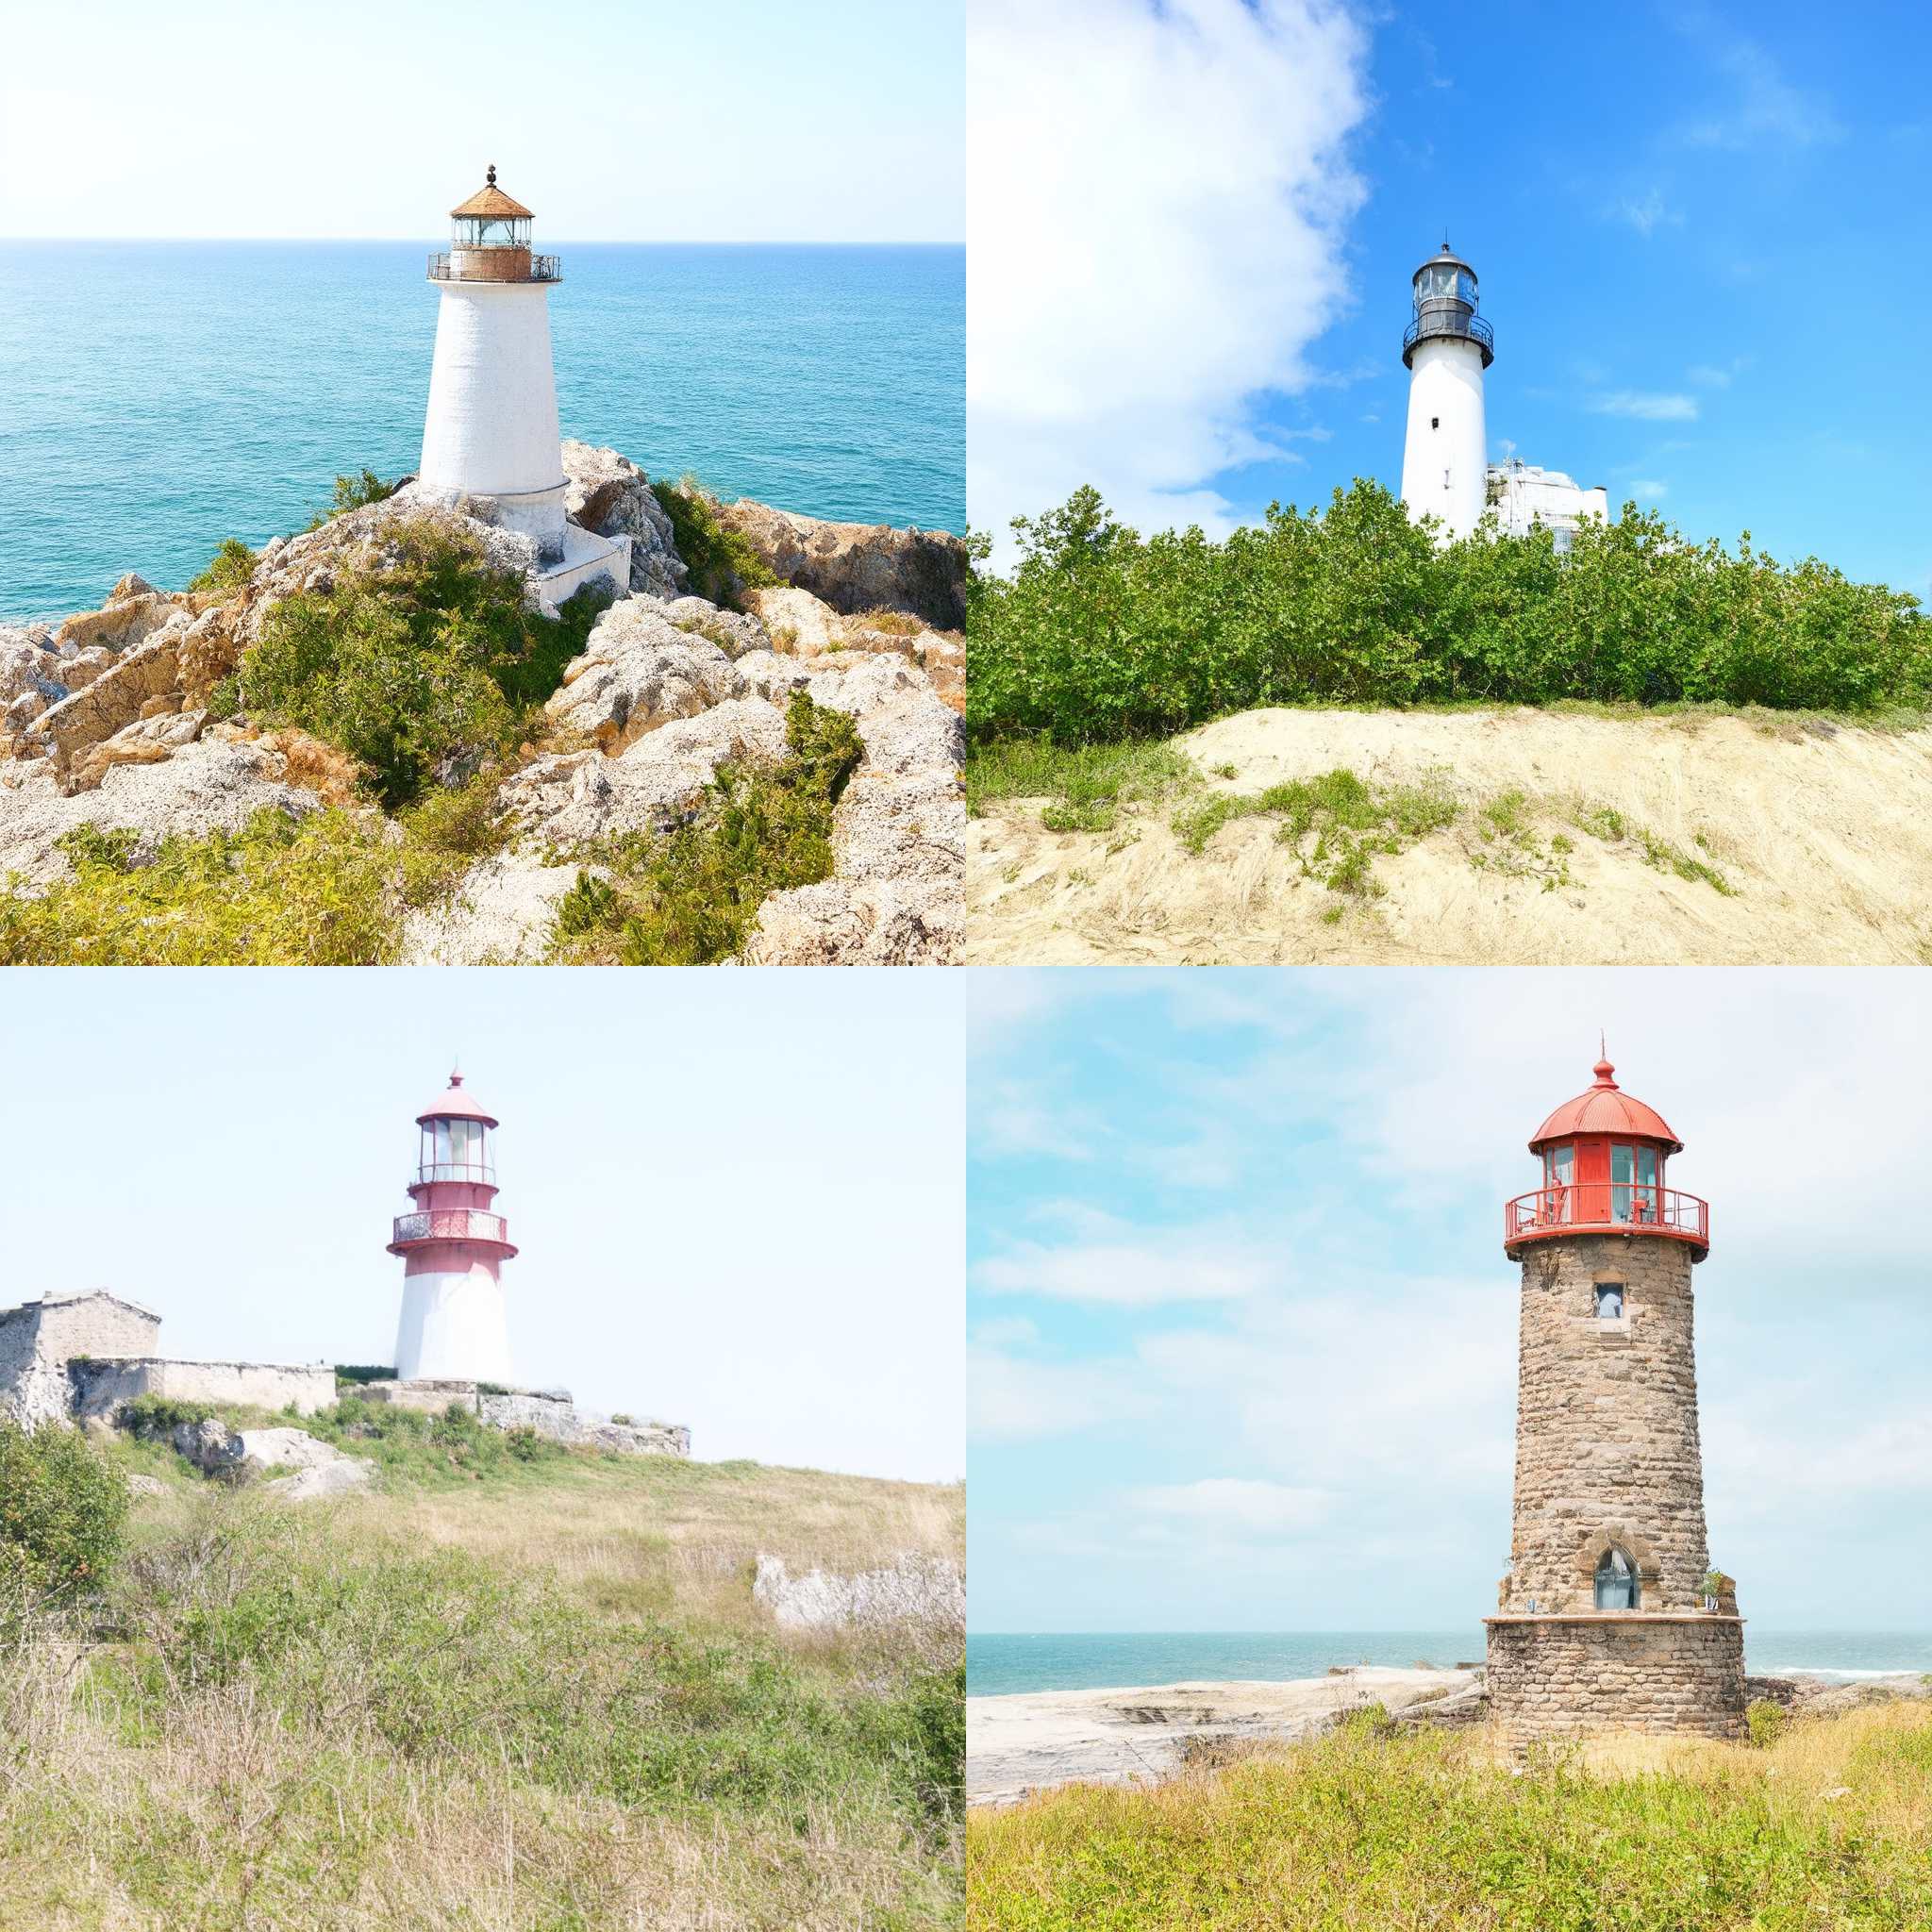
(102, 1383)
(36, 1340)
(1607, 1440)
(549, 1411)
(1554, 1677)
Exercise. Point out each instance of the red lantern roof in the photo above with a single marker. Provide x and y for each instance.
(1606, 1108)
(457, 1105)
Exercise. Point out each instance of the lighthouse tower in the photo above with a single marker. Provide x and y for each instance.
(491, 434)
(1446, 347)
(452, 1249)
(1610, 1617)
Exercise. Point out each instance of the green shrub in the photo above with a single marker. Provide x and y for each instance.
(61, 1511)
(1100, 634)
(364, 1372)
(691, 898)
(228, 570)
(421, 672)
(722, 563)
(359, 491)
(158, 1415)
(1766, 1721)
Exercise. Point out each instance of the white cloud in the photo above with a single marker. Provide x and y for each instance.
(1013, 1398)
(1014, 1121)
(1166, 1265)
(1154, 221)
(1648, 486)
(1236, 1502)
(1646, 214)
(1764, 108)
(1647, 406)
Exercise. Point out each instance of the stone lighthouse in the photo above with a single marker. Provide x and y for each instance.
(1446, 347)
(490, 435)
(1610, 1617)
(453, 1248)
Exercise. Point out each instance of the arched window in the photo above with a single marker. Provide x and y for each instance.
(1616, 1581)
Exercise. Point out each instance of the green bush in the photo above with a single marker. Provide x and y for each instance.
(61, 1511)
(421, 672)
(1100, 634)
(1766, 1721)
(157, 1415)
(365, 1371)
(228, 570)
(359, 491)
(722, 563)
(691, 898)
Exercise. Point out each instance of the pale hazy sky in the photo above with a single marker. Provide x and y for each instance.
(738, 1197)
(615, 120)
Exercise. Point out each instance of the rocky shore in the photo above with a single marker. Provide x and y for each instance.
(105, 718)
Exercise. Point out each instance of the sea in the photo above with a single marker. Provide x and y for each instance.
(156, 397)
(998, 1664)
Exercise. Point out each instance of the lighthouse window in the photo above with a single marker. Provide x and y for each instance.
(1435, 421)
(1609, 1301)
(1616, 1581)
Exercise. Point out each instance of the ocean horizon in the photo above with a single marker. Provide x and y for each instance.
(158, 397)
(1001, 1663)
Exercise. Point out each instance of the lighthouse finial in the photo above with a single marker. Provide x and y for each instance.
(1603, 1069)
(490, 174)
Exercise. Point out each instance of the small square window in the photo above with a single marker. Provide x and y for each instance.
(1609, 1301)
(1435, 421)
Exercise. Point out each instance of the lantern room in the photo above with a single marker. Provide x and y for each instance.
(1446, 305)
(1604, 1155)
(455, 1141)
(490, 241)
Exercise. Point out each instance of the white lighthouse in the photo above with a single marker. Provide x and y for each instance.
(491, 434)
(454, 1245)
(1446, 347)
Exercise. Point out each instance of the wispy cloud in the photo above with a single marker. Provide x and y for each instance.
(1717, 376)
(1763, 107)
(1237, 1503)
(1647, 405)
(1129, 1268)
(1645, 213)
(1015, 1121)
(1648, 486)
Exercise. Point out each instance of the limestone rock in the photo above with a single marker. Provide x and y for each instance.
(147, 741)
(732, 631)
(638, 672)
(285, 1448)
(857, 567)
(609, 494)
(122, 622)
(111, 700)
(768, 675)
(653, 786)
(146, 1486)
(912, 1589)
(28, 665)
(211, 785)
(499, 916)
(797, 620)
(209, 1444)
(344, 1477)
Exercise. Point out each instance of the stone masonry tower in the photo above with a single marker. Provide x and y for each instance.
(453, 1327)
(1607, 1618)
(1445, 348)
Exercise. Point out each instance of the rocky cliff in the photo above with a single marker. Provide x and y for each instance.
(105, 718)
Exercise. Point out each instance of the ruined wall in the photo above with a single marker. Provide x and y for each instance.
(550, 1412)
(1606, 1443)
(1556, 1676)
(100, 1385)
(37, 1338)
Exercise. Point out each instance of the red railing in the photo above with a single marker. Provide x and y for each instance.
(1620, 1205)
(450, 1224)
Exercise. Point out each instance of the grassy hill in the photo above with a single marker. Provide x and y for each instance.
(1826, 1824)
(492, 1693)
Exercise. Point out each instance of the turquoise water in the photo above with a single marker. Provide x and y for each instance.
(156, 397)
(998, 1664)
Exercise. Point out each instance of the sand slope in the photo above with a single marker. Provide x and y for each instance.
(1824, 831)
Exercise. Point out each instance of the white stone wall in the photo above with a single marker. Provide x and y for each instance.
(1445, 458)
(102, 1384)
(492, 427)
(38, 1339)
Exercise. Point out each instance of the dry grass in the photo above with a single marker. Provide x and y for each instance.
(491, 1710)
(1829, 1827)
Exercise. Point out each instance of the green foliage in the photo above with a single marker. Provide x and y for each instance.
(61, 1511)
(1766, 1721)
(691, 898)
(325, 890)
(1085, 786)
(722, 563)
(158, 1415)
(421, 672)
(1100, 634)
(625, 1420)
(365, 1371)
(430, 1451)
(358, 492)
(228, 570)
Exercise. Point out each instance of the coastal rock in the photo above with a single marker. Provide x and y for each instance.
(147, 741)
(732, 631)
(209, 1444)
(770, 676)
(122, 622)
(344, 1477)
(610, 495)
(211, 785)
(28, 665)
(912, 1589)
(499, 916)
(640, 670)
(567, 798)
(285, 1449)
(807, 627)
(797, 622)
(859, 567)
(113, 700)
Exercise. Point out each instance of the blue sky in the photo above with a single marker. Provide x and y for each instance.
(1697, 230)
(736, 1195)
(616, 119)
(1242, 1333)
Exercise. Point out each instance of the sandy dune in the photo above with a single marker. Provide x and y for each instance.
(1824, 832)
(1037, 1739)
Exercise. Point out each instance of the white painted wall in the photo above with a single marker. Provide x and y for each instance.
(1524, 493)
(1444, 460)
(453, 1328)
(491, 424)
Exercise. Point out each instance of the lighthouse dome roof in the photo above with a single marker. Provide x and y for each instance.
(456, 1104)
(1606, 1108)
(492, 204)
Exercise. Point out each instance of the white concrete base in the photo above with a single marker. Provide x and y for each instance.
(453, 1328)
(587, 557)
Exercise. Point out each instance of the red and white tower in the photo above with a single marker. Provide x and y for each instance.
(453, 1327)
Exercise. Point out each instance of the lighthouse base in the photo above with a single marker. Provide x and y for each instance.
(587, 557)
(1669, 1673)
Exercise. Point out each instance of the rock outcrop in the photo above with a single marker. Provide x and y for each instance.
(804, 625)
(912, 1589)
(610, 495)
(859, 567)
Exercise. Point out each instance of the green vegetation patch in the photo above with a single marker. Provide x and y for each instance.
(228, 570)
(691, 898)
(62, 1507)
(1085, 786)
(1101, 634)
(423, 672)
(1608, 824)
(724, 563)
